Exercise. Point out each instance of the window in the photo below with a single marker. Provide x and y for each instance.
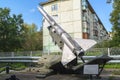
(95, 32)
(54, 7)
(55, 17)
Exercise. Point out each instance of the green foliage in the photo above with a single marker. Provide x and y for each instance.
(104, 44)
(2, 69)
(33, 40)
(15, 35)
(115, 20)
(112, 66)
(11, 30)
(108, 43)
(93, 53)
(17, 66)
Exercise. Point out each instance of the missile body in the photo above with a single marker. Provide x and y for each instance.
(65, 38)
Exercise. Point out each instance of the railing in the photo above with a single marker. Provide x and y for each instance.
(112, 52)
(19, 54)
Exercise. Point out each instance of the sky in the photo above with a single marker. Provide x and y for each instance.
(103, 11)
(30, 13)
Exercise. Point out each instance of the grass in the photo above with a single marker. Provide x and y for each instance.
(2, 69)
(13, 66)
(112, 66)
(111, 78)
(116, 72)
(92, 53)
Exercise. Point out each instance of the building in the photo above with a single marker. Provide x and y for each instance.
(76, 17)
(110, 35)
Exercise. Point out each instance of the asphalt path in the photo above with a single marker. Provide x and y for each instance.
(32, 76)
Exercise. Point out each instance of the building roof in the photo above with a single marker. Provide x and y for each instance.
(49, 1)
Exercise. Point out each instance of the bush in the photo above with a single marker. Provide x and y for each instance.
(2, 69)
(18, 66)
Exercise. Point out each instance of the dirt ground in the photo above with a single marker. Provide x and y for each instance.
(32, 76)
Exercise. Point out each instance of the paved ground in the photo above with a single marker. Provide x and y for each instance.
(20, 75)
(32, 76)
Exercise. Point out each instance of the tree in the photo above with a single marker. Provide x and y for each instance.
(11, 30)
(115, 20)
(33, 40)
(104, 44)
(39, 36)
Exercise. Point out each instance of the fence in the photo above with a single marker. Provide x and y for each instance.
(101, 51)
(23, 53)
(90, 52)
(94, 52)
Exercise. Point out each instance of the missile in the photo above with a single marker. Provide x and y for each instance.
(64, 36)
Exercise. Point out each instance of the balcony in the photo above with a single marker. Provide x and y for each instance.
(95, 33)
(84, 8)
(84, 5)
(84, 18)
(86, 30)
